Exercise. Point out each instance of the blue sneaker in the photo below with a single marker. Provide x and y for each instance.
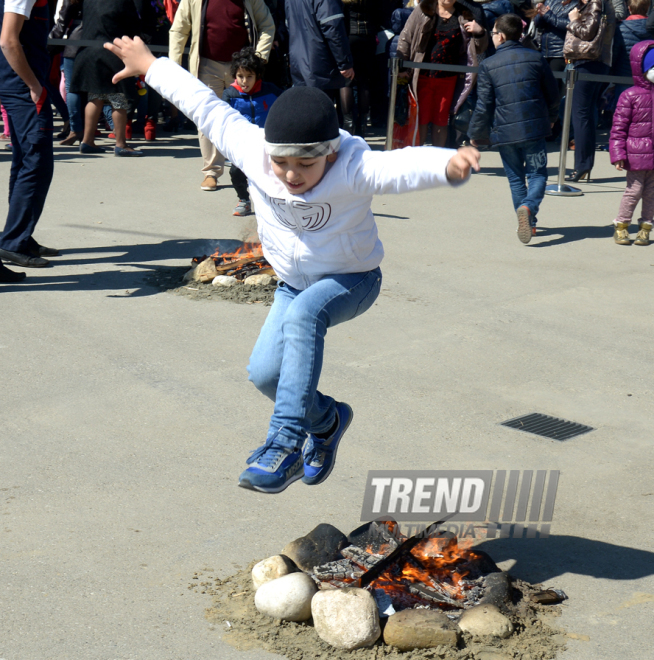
(320, 455)
(273, 468)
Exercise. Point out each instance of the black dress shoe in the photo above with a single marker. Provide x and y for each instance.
(24, 260)
(42, 251)
(9, 276)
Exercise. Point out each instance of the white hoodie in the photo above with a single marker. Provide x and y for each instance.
(329, 229)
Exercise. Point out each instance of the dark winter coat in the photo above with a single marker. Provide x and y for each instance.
(650, 23)
(632, 134)
(319, 48)
(398, 21)
(105, 20)
(517, 96)
(254, 106)
(493, 10)
(627, 35)
(553, 26)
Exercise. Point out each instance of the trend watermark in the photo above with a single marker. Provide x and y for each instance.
(504, 503)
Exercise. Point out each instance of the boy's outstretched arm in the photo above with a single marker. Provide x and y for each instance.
(411, 168)
(227, 129)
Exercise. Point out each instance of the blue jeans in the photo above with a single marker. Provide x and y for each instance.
(526, 168)
(73, 101)
(286, 362)
(32, 166)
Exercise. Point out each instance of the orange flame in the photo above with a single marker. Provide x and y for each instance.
(247, 250)
(437, 563)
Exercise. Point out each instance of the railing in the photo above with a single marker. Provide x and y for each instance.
(559, 189)
(83, 43)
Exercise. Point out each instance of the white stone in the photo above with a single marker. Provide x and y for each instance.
(288, 597)
(271, 569)
(206, 271)
(224, 280)
(346, 618)
(258, 280)
(484, 620)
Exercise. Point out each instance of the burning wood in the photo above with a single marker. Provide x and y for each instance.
(343, 569)
(243, 262)
(364, 559)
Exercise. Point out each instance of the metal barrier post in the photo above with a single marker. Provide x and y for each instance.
(561, 189)
(395, 71)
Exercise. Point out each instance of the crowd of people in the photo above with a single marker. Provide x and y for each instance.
(341, 47)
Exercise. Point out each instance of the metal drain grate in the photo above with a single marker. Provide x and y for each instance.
(548, 427)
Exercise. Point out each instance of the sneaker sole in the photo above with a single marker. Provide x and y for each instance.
(208, 188)
(326, 476)
(271, 491)
(524, 228)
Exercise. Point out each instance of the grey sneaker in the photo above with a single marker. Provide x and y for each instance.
(244, 207)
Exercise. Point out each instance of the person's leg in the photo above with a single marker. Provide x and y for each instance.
(299, 407)
(582, 118)
(73, 101)
(536, 173)
(425, 106)
(5, 120)
(295, 333)
(266, 359)
(443, 94)
(119, 118)
(630, 198)
(647, 211)
(584, 103)
(57, 100)
(347, 106)
(513, 158)
(31, 171)
(240, 183)
(514, 166)
(212, 74)
(632, 195)
(91, 116)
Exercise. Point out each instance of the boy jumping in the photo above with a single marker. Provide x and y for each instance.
(312, 187)
(517, 95)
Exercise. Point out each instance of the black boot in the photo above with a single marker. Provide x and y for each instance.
(348, 123)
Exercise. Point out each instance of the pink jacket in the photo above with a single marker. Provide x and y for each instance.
(632, 133)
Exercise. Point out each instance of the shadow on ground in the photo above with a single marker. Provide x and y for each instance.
(134, 282)
(541, 560)
(562, 235)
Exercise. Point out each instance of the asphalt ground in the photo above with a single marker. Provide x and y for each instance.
(126, 415)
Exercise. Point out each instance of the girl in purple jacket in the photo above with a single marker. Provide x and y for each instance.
(632, 146)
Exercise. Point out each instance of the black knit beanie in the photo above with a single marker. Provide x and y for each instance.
(302, 123)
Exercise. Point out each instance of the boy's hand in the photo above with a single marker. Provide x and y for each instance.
(619, 165)
(135, 55)
(460, 164)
